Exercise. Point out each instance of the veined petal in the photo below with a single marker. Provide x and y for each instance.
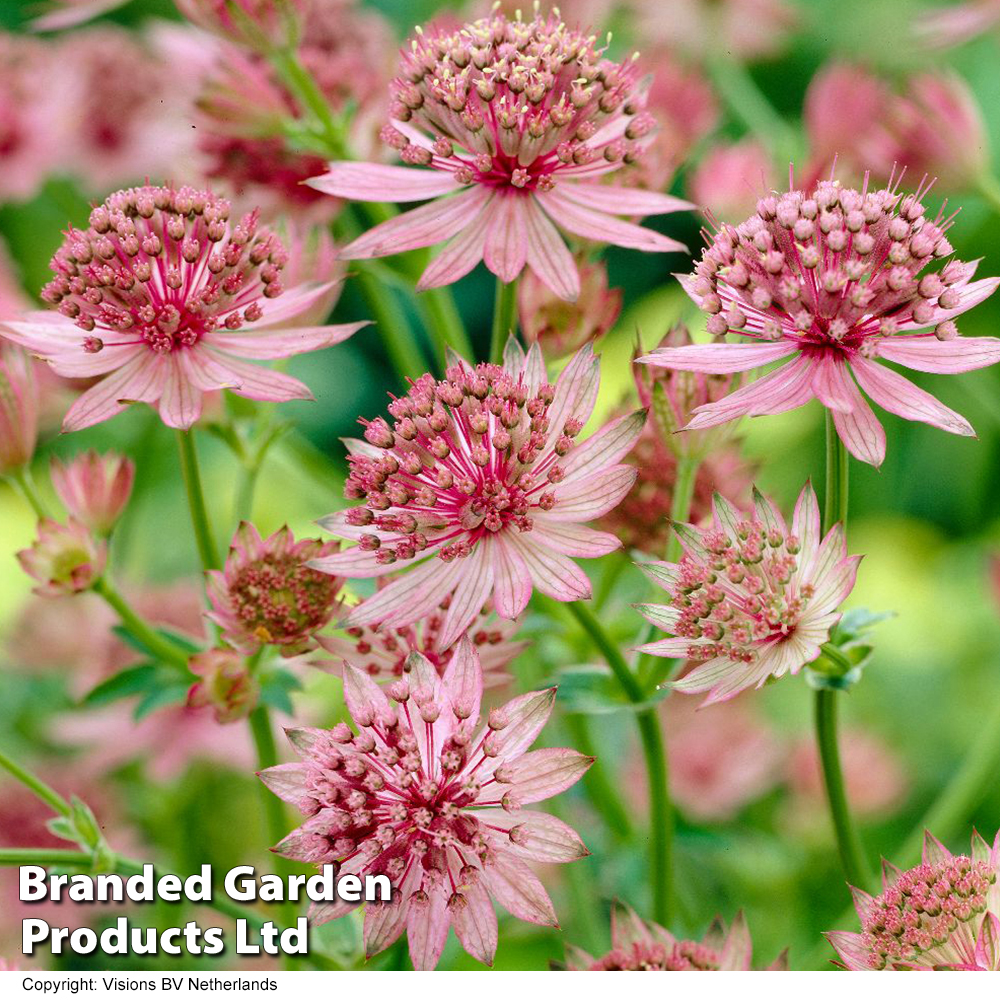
(475, 920)
(620, 200)
(427, 925)
(899, 395)
(287, 781)
(970, 295)
(408, 597)
(526, 716)
(506, 248)
(539, 835)
(366, 701)
(463, 680)
(381, 182)
(548, 255)
(141, 380)
(517, 889)
(828, 377)
(607, 447)
(948, 357)
(180, 402)
(539, 774)
(511, 578)
(718, 359)
(553, 574)
(573, 539)
(210, 368)
(291, 303)
(468, 599)
(458, 257)
(584, 500)
(268, 345)
(860, 430)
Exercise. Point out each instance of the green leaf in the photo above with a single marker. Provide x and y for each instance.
(134, 680)
(130, 639)
(593, 690)
(276, 689)
(173, 693)
(85, 823)
(63, 828)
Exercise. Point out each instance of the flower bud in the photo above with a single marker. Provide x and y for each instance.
(18, 409)
(64, 559)
(226, 685)
(94, 488)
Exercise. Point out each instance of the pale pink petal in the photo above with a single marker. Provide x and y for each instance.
(139, 381)
(475, 920)
(829, 374)
(408, 597)
(380, 182)
(590, 498)
(900, 396)
(933, 850)
(180, 402)
(988, 944)
(427, 928)
(526, 716)
(718, 359)
(287, 781)
(266, 346)
(851, 948)
(620, 200)
(463, 680)
(969, 295)
(291, 303)
(576, 392)
(219, 370)
(538, 775)
(365, 700)
(506, 247)
(949, 357)
(426, 226)
(386, 921)
(553, 574)
(540, 837)
(601, 227)
(738, 949)
(517, 889)
(574, 539)
(458, 257)
(607, 447)
(512, 580)
(860, 430)
(73, 14)
(468, 599)
(806, 520)
(548, 255)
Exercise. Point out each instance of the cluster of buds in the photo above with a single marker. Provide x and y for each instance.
(64, 559)
(94, 488)
(226, 685)
(19, 405)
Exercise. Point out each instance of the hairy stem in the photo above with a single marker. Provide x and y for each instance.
(654, 751)
(196, 501)
(504, 319)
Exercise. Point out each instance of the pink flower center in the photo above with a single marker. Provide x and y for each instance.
(509, 103)
(163, 267)
(655, 956)
(468, 456)
(834, 269)
(927, 916)
(739, 594)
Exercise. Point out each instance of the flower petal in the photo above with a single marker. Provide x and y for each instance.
(468, 599)
(620, 200)
(572, 539)
(862, 434)
(268, 345)
(180, 403)
(718, 359)
(553, 574)
(607, 447)
(458, 257)
(590, 498)
(506, 247)
(475, 920)
(517, 889)
(539, 774)
(427, 925)
(381, 182)
(511, 578)
(409, 596)
(141, 380)
(548, 255)
(949, 357)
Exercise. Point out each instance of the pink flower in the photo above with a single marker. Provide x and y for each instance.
(191, 297)
(384, 653)
(562, 327)
(961, 22)
(641, 946)
(728, 181)
(64, 559)
(226, 685)
(942, 914)
(18, 409)
(480, 491)
(64, 14)
(428, 796)
(94, 488)
(832, 279)
(262, 25)
(750, 600)
(518, 122)
(267, 594)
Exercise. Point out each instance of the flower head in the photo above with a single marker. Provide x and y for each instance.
(836, 279)
(262, 25)
(226, 685)
(728, 180)
(164, 296)
(267, 594)
(427, 794)
(518, 121)
(94, 488)
(479, 489)
(750, 600)
(641, 946)
(942, 914)
(18, 409)
(64, 559)
(562, 327)
(384, 653)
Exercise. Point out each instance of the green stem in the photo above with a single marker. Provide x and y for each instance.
(37, 787)
(504, 319)
(397, 334)
(25, 483)
(150, 638)
(852, 855)
(445, 325)
(598, 785)
(654, 751)
(310, 98)
(196, 501)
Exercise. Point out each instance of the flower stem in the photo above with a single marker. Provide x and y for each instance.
(397, 334)
(36, 786)
(661, 814)
(150, 638)
(504, 319)
(25, 483)
(852, 856)
(444, 324)
(310, 98)
(598, 785)
(196, 501)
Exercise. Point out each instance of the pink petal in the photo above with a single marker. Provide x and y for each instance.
(512, 580)
(624, 201)
(365, 700)
(380, 182)
(526, 716)
(933, 850)
(851, 948)
(576, 392)
(266, 346)
(427, 928)
(589, 499)
(900, 396)
(180, 403)
(828, 383)
(949, 357)
(988, 943)
(468, 599)
(540, 774)
(287, 781)
(71, 16)
(738, 949)
(140, 380)
(548, 255)
(553, 574)
(718, 359)
(592, 225)
(291, 303)
(575, 539)
(475, 920)
(862, 434)
(385, 922)
(458, 257)
(540, 837)
(969, 295)
(209, 368)
(506, 247)
(517, 889)
(463, 680)
(607, 447)
(409, 596)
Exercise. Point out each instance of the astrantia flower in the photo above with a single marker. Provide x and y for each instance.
(520, 121)
(18, 409)
(641, 946)
(750, 599)
(833, 280)
(64, 559)
(163, 296)
(226, 685)
(267, 594)
(94, 488)
(479, 485)
(384, 652)
(943, 914)
(427, 795)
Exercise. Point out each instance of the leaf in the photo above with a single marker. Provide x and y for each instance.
(276, 689)
(130, 639)
(63, 828)
(593, 690)
(173, 693)
(134, 680)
